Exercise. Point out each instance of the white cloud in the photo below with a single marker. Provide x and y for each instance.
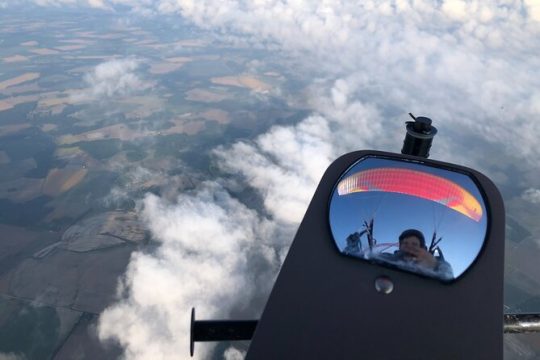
(211, 241)
(287, 162)
(455, 9)
(282, 166)
(531, 195)
(407, 54)
(234, 354)
(213, 253)
(533, 9)
(136, 177)
(301, 14)
(112, 78)
(98, 4)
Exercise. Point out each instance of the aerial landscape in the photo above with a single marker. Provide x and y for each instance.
(155, 158)
(71, 174)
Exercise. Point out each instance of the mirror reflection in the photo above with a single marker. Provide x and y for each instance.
(412, 216)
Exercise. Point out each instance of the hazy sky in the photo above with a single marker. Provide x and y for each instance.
(470, 65)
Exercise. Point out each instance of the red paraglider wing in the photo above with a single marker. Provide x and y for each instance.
(415, 183)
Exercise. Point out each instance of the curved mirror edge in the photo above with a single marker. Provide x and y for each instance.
(408, 215)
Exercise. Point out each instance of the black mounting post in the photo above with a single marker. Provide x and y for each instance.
(419, 136)
(219, 330)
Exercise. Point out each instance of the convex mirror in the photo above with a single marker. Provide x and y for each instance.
(408, 215)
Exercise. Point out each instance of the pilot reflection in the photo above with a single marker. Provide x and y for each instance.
(377, 199)
(414, 256)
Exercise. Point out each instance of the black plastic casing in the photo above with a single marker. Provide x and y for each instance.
(324, 305)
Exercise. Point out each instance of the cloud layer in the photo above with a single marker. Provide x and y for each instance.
(213, 254)
(468, 64)
(211, 241)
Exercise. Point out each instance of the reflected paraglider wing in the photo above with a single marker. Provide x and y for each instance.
(414, 183)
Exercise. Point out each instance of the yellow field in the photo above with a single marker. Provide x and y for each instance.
(78, 41)
(12, 129)
(15, 58)
(44, 51)
(21, 89)
(118, 131)
(61, 180)
(9, 103)
(245, 81)
(183, 126)
(216, 115)
(68, 152)
(164, 67)
(19, 80)
(179, 59)
(48, 127)
(203, 95)
(70, 47)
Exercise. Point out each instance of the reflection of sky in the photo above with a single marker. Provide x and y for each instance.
(393, 213)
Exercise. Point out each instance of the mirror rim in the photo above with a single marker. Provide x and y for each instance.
(421, 162)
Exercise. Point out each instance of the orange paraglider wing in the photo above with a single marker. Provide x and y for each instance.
(414, 183)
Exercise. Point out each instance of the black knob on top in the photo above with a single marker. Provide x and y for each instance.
(419, 136)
